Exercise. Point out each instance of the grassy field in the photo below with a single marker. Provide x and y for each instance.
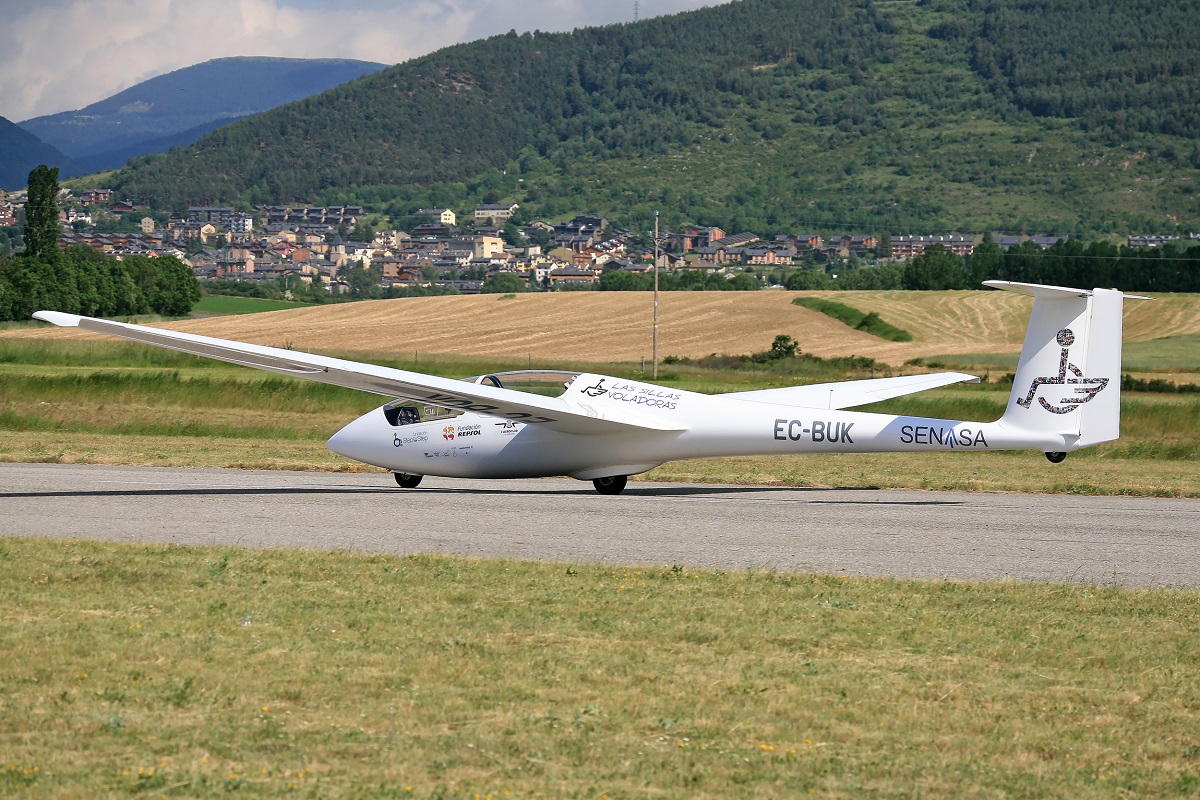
(159, 671)
(119, 403)
(71, 398)
(152, 671)
(226, 304)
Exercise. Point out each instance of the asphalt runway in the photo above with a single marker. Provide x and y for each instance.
(904, 534)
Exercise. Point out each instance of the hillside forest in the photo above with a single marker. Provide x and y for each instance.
(763, 115)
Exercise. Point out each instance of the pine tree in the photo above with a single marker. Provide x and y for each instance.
(41, 215)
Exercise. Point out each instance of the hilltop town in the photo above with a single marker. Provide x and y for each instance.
(324, 246)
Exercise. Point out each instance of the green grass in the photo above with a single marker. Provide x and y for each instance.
(116, 403)
(227, 304)
(869, 322)
(151, 671)
(1168, 354)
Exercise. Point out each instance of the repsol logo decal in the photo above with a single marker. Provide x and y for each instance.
(815, 431)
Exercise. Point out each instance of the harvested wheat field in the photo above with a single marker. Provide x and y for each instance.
(605, 327)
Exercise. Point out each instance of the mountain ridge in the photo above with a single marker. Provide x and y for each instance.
(764, 115)
(190, 99)
(20, 152)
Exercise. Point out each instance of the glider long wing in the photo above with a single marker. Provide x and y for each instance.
(852, 393)
(553, 412)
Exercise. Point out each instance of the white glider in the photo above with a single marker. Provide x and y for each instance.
(604, 429)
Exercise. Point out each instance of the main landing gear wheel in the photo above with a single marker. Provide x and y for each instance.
(408, 481)
(1056, 458)
(614, 484)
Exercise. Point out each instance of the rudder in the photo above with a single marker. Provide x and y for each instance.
(1068, 379)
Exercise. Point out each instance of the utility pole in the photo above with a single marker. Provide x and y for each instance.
(654, 342)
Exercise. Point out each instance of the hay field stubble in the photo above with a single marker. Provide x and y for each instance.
(608, 327)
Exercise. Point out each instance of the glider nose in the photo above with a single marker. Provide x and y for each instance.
(355, 440)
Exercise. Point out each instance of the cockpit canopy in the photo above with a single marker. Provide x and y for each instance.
(546, 382)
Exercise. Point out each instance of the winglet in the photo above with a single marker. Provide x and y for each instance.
(59, 318)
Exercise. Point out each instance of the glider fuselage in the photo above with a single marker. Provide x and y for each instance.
(474, 445)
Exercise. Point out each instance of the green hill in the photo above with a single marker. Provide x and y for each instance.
(766, 115)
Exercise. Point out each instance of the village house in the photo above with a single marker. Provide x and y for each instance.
(217, 215)
(240, 225)
(694, 237)
(770, 255)
(801, 242)
(330, 216)
(573, 275)
(907, 247)
(575, 242)
(428, 229)
(1151, 241)
(496, 212)
(441, 216)
(479, 246)
(727, 249)
(94, 197)
(536, 228)
(391, 239)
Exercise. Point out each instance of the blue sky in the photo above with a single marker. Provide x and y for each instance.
(61, 55)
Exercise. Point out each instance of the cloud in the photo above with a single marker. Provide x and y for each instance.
(66, 54)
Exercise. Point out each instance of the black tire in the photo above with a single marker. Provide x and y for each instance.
(1055, 458)
(408, 481)
(614, 484)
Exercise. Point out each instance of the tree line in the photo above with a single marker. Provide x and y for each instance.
(1067, 263)
(80, 280)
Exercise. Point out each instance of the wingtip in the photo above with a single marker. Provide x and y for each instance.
(59, 318)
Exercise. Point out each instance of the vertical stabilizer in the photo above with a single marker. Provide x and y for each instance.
(1068, 379)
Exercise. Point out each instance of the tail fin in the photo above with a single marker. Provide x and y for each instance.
(1068, 380)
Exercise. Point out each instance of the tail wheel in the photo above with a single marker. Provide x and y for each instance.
(614, 484)
(408, 481)
(1056, 458)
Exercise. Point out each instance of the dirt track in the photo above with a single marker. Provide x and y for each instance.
(616, 326)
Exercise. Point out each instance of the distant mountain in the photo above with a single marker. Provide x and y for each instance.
(177, 108)
(20, 152)
(761, 115)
